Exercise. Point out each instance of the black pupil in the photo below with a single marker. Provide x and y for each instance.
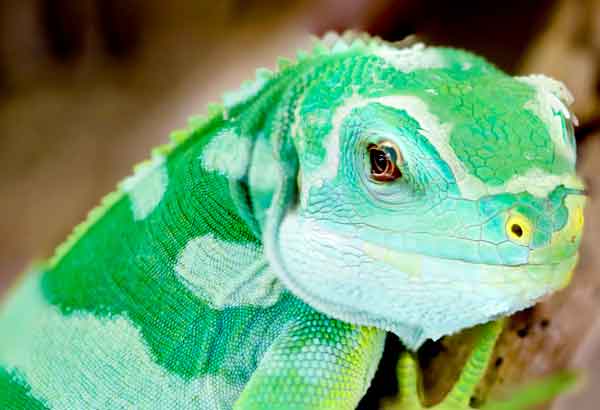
(517, 230)
(379, 160)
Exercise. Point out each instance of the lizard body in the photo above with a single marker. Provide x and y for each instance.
(257, 261)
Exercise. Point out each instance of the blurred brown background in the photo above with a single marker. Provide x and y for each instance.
(87, 87)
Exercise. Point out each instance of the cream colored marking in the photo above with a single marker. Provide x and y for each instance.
(227, 274)
(83, 361)
(538, 183)
(416, 57)
(146, 187)
(412, 265)
(264, 174)
(552, 96)
(551, 85)
(228, 154)
(328, 169)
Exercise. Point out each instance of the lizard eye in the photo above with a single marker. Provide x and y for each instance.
(386, 160)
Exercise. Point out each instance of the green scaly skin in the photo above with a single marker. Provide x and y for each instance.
(256, 263)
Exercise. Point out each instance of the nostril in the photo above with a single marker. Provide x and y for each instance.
(517, 230)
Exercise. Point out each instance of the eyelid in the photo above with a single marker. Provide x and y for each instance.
(389, 144)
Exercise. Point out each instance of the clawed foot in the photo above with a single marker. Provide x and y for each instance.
(459, 397)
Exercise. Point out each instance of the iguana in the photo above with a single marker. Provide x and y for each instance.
(258, 259)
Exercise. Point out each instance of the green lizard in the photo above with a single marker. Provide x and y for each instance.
(258, 260)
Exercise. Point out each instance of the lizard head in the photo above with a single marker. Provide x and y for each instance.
(434, 192)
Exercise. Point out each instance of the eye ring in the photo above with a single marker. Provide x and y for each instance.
(385, 160)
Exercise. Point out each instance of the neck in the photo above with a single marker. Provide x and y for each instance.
(210, 185)
(175, 226)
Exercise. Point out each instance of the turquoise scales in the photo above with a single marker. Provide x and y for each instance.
(257, 260)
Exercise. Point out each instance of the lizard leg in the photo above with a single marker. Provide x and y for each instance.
(460, 395)
(318, 363)
(458, 398)
(409, 383)
(522, 398)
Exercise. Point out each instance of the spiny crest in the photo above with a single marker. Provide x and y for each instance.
(333, 42)
(195, 124)
(249, 88)
(94, 215)
(330, 43)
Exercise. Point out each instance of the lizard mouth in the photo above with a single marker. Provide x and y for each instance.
(552, 276)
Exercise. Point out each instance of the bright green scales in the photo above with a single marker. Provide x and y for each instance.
(258, 259)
